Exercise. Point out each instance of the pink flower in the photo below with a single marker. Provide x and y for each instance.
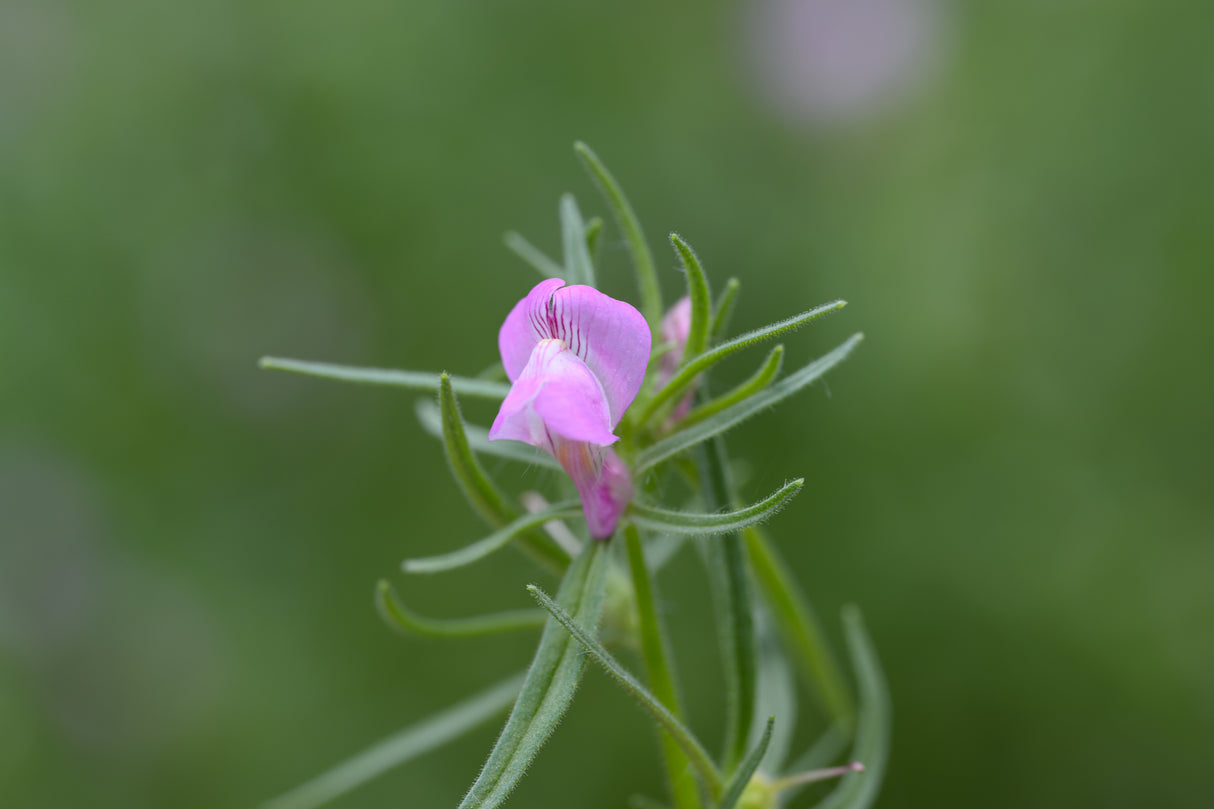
(676, 325)
(576, 358)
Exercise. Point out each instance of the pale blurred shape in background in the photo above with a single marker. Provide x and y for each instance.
(840, 61)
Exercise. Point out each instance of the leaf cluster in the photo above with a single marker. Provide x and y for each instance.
(766, 629)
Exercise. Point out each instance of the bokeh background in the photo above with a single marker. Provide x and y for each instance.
(1012, 477)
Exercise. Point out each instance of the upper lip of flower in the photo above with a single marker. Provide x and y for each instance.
(610, 337)
(576, 359)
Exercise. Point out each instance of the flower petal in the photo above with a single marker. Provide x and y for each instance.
(520, 332)
(611, 337)
(554, 397)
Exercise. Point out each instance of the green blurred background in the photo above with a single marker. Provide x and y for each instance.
(1012, 476)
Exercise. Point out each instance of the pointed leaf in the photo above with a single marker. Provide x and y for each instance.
(686, 740)
(682, 522)
(480, 491)
(495, 541)
(760, 380)
(732, 416)
(642, 259)
(531, 254)
(578, 268)
(746, 770)
(858, 790)
(776, 693)
(482, 494)
(697, 292)
(733, 603)
(549, 687)
(659, 665)
(697, 365)
(478, 439)
(395, 750)
(407, 622)
(415, 380)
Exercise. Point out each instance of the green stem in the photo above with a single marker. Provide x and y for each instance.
(660, 667)
(735, 619)
(690, 745)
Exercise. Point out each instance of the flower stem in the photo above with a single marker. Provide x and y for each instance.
(688, 743)
(735, 617)
(660, 667)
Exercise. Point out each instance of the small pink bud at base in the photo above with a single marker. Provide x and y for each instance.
(603, 482)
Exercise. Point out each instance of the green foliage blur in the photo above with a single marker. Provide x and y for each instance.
(1012, 476)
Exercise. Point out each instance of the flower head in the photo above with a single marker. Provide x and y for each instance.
(576, 358)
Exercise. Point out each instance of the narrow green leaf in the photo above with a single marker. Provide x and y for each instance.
(478, 439)
(723, 313)
(775, 693)
(858, 790)
(736, 414)
(729, 582)
(682, 522)
(594, 233)
(800, 629)
(551, 682)
(415, 380)
(687, 741)
(481, 492)
(495, 541)
(746, 770)
(531, 254)
(697, 365)
(401, 747)
(407, 622)
(760, 380)
(578, 269)
(701, 298)
(659, 665)
(642, 259)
